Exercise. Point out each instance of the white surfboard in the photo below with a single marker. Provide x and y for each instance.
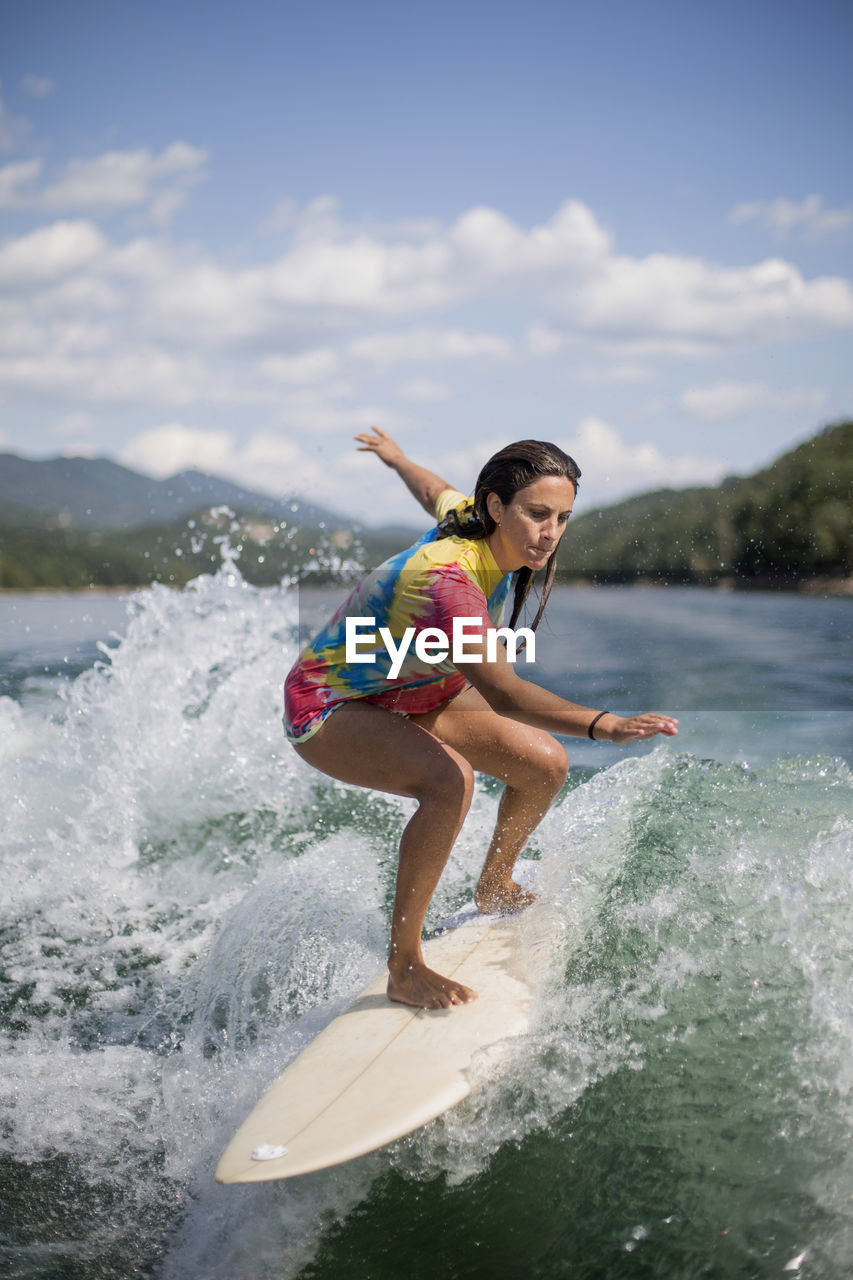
(380, 1069)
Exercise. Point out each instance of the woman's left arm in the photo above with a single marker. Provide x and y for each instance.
(529, 703)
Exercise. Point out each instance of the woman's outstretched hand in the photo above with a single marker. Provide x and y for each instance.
(622, 729)
(422, 484)
(380, 442)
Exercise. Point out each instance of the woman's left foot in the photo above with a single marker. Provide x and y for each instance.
(504, 899)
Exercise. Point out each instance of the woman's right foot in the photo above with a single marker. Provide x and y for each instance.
(425, 989)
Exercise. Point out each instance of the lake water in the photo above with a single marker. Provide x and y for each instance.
(184, 904)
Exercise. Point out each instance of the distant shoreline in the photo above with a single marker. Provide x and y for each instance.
(812, 587)
(75, 591)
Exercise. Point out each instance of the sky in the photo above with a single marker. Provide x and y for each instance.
(232, 236)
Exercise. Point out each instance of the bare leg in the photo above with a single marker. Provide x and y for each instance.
(531, 763)
(519, 813)
(375, 748)
(424, 850)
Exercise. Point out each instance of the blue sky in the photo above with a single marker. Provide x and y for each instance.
(231, 236)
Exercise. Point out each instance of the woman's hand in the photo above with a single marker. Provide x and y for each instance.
(622, 729)
(382, 444)
(424, 485)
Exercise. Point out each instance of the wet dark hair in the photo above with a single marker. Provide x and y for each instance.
(508, 471)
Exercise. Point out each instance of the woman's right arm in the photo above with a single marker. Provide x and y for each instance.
(422, 484)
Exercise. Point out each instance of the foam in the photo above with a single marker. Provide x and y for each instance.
(186, 904)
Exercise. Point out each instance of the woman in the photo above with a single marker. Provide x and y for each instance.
(417, 726)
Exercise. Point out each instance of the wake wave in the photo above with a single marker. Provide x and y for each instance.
(186, 904)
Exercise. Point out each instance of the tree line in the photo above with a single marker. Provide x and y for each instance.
(787, 525)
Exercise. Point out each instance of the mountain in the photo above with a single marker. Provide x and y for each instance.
(788, 523)
(96, 493)
(75, 522)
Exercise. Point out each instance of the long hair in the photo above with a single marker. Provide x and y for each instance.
(509, 470)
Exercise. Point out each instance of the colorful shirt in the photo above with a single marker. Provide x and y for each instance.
(425, 586)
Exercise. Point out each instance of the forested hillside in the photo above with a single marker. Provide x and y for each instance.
(782, 526)
(786, 526)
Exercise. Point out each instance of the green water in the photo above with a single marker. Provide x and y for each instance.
(185, 905)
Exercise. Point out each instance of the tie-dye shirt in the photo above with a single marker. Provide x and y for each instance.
(426, 586)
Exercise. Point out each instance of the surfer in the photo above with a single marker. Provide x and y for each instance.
(414, 724)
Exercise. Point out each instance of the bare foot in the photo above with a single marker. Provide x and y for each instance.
(503, 899)
(426, 989)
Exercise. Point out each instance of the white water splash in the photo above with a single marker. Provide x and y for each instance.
(185, 905)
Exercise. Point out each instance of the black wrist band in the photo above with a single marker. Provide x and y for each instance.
(594, 722)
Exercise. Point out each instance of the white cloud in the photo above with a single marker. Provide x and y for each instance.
(429, 346)
(109, 183)
(22, 173)
(543, 341)
(162, 451)
(730, 399)
(37, 86)
(81, 295)
(123, 375)
(311, 412)
(424, 390)
(335, 266)
(678, 302)
(282, 218)
(127, 179)
(460, 467)
(48, 253)
(72, 424)
(268, 450)
(152, 321)
(666, 296)
(571, 239)
(292, 463)
(20, 333)
(659, 304)
(14, 130)
(612, 468)
(629, 348)
(416, 228)
(304, 367)
(783, 215)
(353, 271)
(618, 374)
(187, 294)
(277, 463)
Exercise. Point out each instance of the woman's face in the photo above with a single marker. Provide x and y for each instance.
(532, 523)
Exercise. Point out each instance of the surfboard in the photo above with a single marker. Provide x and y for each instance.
(381, 1070)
